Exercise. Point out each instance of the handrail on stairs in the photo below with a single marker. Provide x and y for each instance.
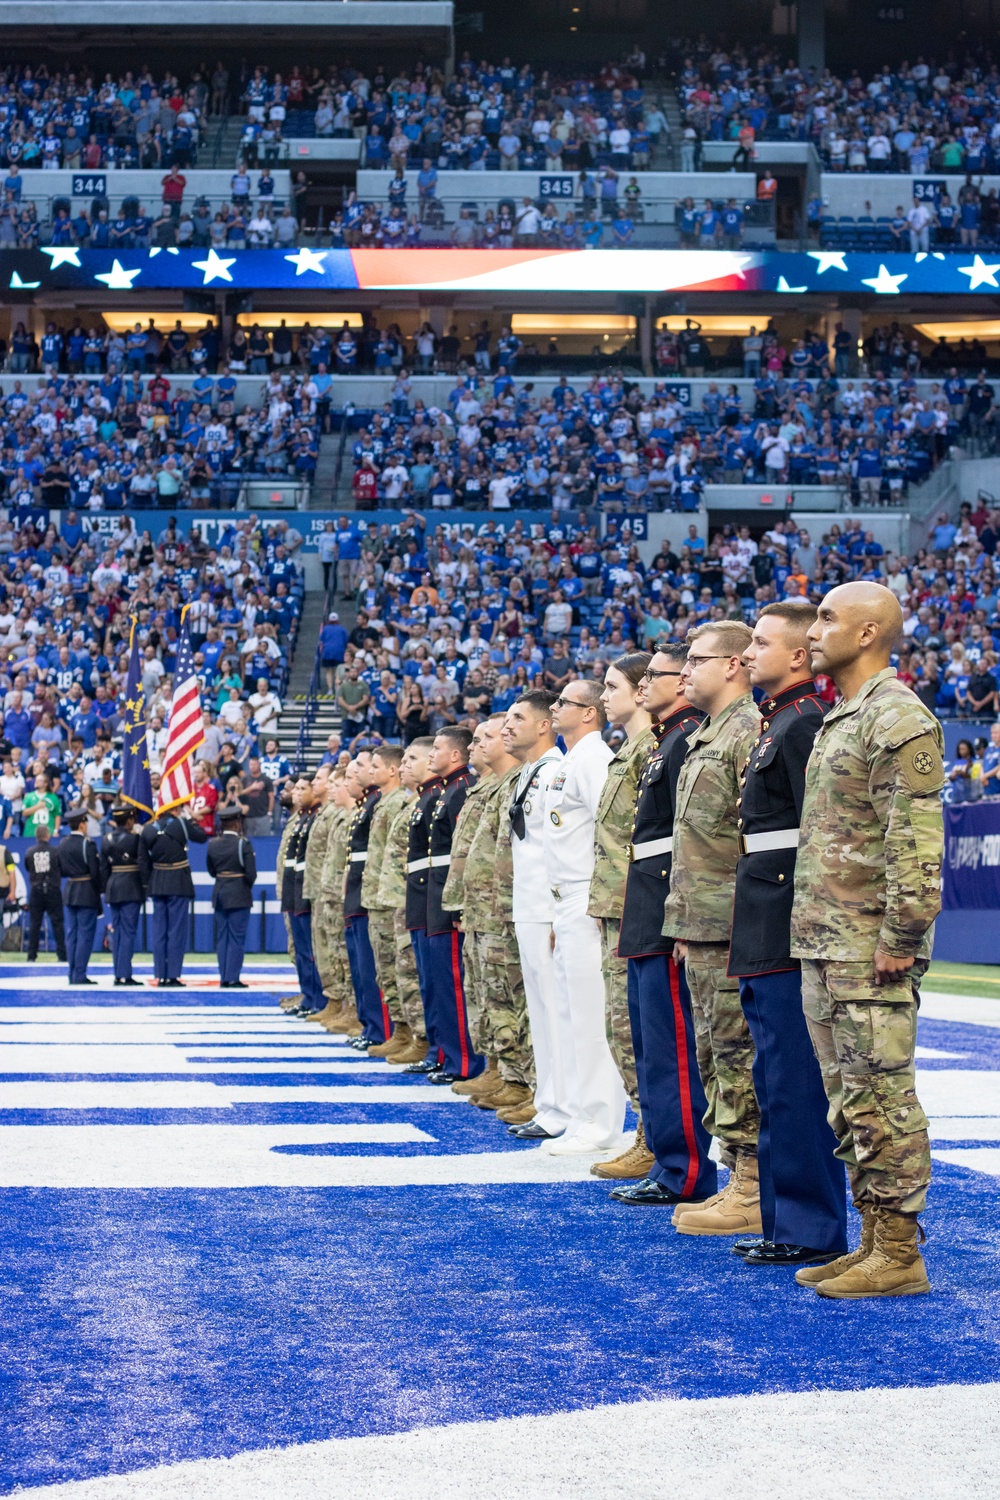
(312, 696)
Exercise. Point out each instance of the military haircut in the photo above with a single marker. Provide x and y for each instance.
(389, 755)
(460, 738)
(672, 650)
(633, 665)
(591, 690)
(798, 615)
(422, 742)
(500, 714)
(540, 701)
(732, 635)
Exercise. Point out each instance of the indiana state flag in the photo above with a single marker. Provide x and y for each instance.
(136, 786)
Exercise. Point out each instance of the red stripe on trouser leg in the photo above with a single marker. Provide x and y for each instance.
(683, 1081)
(386, 1023)
(456, 974)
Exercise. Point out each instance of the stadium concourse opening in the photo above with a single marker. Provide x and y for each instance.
(499, 618)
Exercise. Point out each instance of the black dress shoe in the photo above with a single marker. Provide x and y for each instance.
(648, 1193)
(135, 983)
(359, 1043)
(534, 1132)
(421, 1067)
(744, 1246)
(769, 1254)
(172, 984)
(439, 1076)
(238, 984)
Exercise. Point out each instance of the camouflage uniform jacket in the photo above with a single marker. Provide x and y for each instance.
(613, 827)
(332, 879)
(316, 851)
(453, 895)
(699, 908)
(868, 871)
(386, 808)
(502, 894)
(479, 913)
(391, 893)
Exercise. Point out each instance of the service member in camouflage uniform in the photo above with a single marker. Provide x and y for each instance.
(392, 893)
(315, 855)
(502, 1023)
(867, 890)
(290, 1002)
(698, 915)
(346, 1022)
(386, 761)
(612, 839)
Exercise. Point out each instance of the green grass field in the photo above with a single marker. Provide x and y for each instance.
(964, 979)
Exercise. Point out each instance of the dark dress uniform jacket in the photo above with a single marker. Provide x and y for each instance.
(232, 864)
(80, 868)
(444, 815)
(771, 803)
(292, 899)
(357, 843)
(418, 859)
(120, 873)
(647, 883)
(163, 855)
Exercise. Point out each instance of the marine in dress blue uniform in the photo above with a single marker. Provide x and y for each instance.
(166, 872)
(803, 1204)
(368, 998)
(122, 883)
(417, 870)
(671, 1094)
(232, 864)
(297, 905)
(458, 1056)
(80, 869)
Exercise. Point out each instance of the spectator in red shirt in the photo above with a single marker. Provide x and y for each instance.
(205, 799)
(365, 484)
(90, 157)
(173, 191)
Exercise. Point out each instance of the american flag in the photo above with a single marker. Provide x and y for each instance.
(185, 732)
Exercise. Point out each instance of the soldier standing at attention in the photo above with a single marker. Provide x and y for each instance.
(386, 763)
(659, 1002)
(45, 894)
(612, 837)
(290, 1002)
(595, 1097)
(80, 868)
(529, 737)
(337, 979)
(392, 896)
(231, 862)
(123, 887)
(295, 902)
(501, 1033)
(699, 910)
(802, 1202)
(418, 864)
(166, 873)
(449, 762)
(372, 1012)
(315, 855)
(867, 890)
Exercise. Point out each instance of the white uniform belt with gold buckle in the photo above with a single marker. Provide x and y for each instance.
(651, 849)
(358, 857)
(439, 861)
(416, 865)
(763, 843)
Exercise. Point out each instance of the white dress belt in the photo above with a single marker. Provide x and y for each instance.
(762, 843)
(439, 861)
(651, 848)
(359, 857)
(414, 865)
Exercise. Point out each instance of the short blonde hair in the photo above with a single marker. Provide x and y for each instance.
(732, 635)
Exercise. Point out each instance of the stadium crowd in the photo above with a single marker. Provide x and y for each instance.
(67, 600)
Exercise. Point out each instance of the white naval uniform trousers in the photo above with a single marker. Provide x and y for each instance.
(532, 910)
(595, 1097)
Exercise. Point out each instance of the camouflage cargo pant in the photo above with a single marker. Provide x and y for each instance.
(407, 983)
(330, 952)
(618, 1026)
(864, 1036)
(725, 1049)
(472, 964)
(503, 1030)
(382, 935)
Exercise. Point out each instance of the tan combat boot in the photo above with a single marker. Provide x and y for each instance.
(397, 1042)
(689, 1206)
(507, 1096)
(813, 1275)
(894, 1268)
(330, 1012)
(737, 1208)
(484, 1083)
(638, 1161)
(291, 1002)
(338, 1023)
(415, 1052)
(517, 1114)
(353, 1026)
